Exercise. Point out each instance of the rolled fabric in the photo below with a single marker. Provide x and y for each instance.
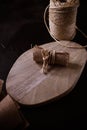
(59, 58)
(10, 116)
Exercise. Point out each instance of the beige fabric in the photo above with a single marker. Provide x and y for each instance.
(10, 116)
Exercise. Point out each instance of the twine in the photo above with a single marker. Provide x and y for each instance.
(46, 58)
(57, 40)
(49, 57)
(64, 3)
(62, 18)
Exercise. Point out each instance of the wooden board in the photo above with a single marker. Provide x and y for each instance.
(27, 85)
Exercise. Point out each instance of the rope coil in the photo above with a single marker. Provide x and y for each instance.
(57, 40)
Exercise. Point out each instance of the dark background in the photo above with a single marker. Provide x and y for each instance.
(21, 25)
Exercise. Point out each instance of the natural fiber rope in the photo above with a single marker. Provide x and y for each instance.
(48, 58)
(53, 16)
(65, 3)
(58, 41)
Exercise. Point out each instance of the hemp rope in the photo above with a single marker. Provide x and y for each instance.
(45, 57)
(58, 41)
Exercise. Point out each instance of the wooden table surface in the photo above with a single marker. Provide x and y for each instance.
(27, 85)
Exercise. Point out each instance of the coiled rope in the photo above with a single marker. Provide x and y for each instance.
(58, 41)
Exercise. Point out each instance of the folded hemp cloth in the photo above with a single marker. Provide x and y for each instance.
(11, 118)
(46, 57)
(10, 115)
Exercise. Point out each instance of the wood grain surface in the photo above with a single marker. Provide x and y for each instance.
(29, 86)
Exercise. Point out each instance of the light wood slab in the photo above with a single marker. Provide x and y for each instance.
(27, 85)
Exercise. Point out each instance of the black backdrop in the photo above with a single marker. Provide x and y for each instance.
(21, 24)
